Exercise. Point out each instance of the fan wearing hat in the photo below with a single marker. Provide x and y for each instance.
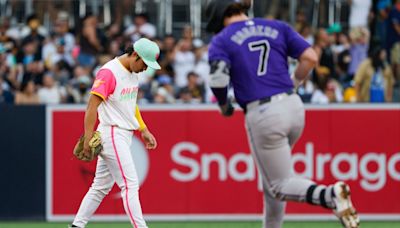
(113, 98)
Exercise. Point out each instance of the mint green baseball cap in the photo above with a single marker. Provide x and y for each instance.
(148, 51)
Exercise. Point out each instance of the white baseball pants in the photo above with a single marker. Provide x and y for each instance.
(115, 165)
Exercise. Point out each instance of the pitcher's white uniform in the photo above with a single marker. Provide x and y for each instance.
(118, 88)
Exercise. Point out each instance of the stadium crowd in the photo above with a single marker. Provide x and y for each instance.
(359, 62)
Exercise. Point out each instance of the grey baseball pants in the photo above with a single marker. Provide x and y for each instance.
(272, 129)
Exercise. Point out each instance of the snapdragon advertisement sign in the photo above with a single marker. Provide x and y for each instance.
(202, 167)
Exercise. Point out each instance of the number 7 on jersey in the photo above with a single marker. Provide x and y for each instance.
(264, 48)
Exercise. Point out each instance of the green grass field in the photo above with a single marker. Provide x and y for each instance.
(199, 225)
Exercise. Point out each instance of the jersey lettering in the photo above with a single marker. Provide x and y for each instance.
(250, 31)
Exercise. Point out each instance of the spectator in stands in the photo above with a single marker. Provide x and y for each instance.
(141, 98)
(80, 72)
(92, 41)
(77, 89)
(359, 48)
(62, 73)
(54, 51)
(164, 94)
(194, 87)
(6, 97)
(301, 20)
(322, 47)
(49, 51)
(34, 32)
(334, 31)
(167, 53)
(381, 21)
(183, 61)
(140, 28)
(359, 13)
(63, 34)
(202, 67)
(34, 28)
(307, 33)
(79, 92)
(62, 52)
(343, 59)
(29, 63)
(166, 47)
(13, 32)
(187, 33)
(168, 43)
(5, 39)
(28, 52)
(161, 96)
(115, 48)
(8, 68)
(185, 97)
(374, 79)
(27, 94)
(328, 90)
(114, 32)
(393, 39)
(306, 90)
(24, 56)
(50, 92)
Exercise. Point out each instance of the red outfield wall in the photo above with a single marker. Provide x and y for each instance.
(202, 168)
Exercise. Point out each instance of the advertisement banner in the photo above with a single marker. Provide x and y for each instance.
(202, 167)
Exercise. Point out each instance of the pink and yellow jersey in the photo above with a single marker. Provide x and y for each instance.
(118, 88)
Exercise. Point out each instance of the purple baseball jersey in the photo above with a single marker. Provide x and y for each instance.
(257, 52)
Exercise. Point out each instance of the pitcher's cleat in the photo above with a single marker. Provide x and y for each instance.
(345, 210)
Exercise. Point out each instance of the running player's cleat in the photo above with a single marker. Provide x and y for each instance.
(344, 208)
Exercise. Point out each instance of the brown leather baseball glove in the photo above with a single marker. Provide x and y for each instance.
(95, 148)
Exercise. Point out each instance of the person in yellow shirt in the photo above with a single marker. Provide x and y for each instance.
(374, 79)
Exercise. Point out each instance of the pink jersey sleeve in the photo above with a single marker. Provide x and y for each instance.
(104, 84)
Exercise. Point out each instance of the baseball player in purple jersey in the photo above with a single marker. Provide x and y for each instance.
(251, 56)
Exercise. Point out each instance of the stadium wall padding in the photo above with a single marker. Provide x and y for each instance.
(31, 134)
(22, 169)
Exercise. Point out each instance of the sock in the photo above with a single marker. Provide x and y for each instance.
(320, 195)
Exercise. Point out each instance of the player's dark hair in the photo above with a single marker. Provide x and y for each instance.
(236, 9)
(129, 50)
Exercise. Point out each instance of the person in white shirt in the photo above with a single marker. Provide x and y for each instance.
(50, 93)
(359, 11)
(202, 67)
(183, 61)
(140, 28)
(113, 97)
(61, 28)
